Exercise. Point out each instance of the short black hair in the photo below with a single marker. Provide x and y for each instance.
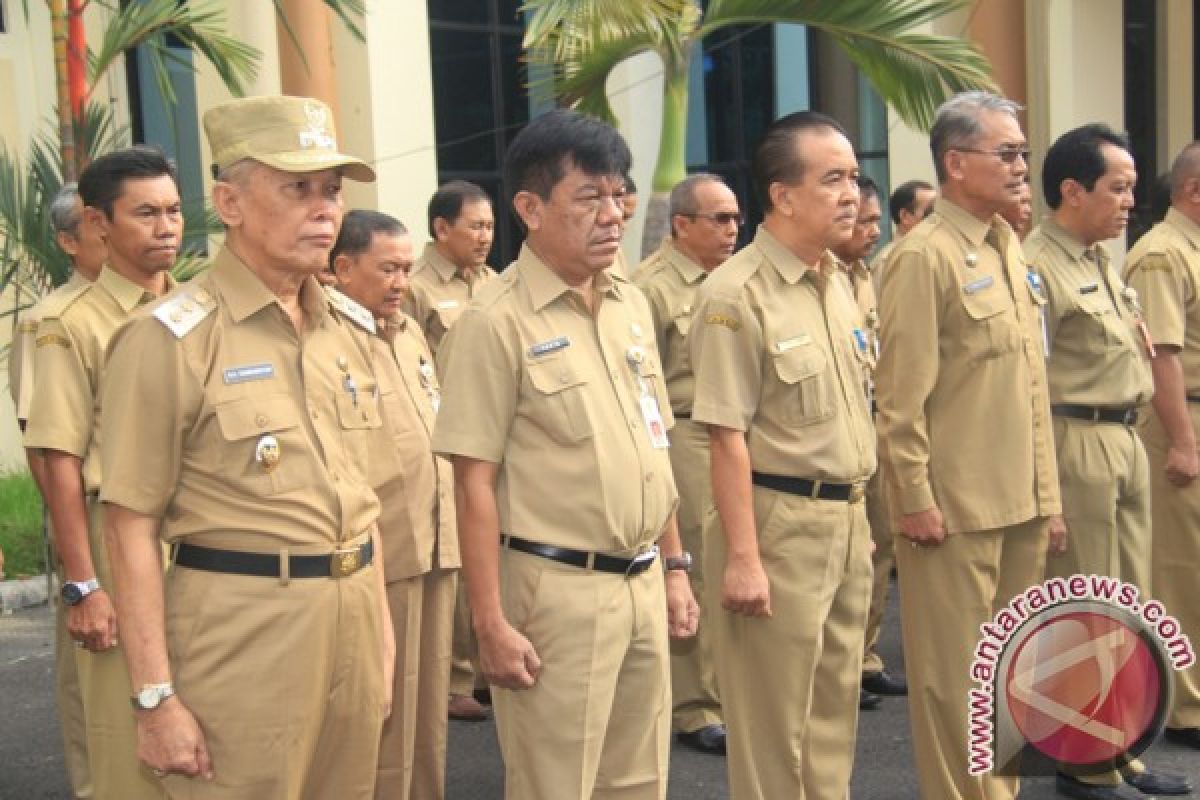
(103, 180)
(775, 158)
(630, 186)
(447, 202)
(1077, 155)
(867, 187)
(358, 231)
(542, 152)
(905, 197)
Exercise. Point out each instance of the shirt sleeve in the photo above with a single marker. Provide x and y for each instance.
(63, 407)
(142, 448)
(480, 378)
(725, 342)
(20, 367)
(907, 373)
(1162, 291)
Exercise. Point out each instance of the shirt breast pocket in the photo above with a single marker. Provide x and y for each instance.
(1104, 321)
(268, 451)
(807, 390)
(557, 401)
(991, 328)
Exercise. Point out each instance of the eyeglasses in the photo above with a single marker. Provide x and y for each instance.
(1008, 155)
(721, 217)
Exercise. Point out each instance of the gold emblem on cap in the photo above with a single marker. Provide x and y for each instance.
(266, 452)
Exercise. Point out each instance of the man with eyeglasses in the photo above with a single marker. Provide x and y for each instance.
(964, 428)
(555, 415)
(704, 227)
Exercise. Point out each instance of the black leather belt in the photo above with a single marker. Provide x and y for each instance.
(1118, 416)
(582, 558)
(338, 564)
(681, 414)
(803, 487)
(1192, 398)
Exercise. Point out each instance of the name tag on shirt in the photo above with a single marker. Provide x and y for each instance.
(549, 346)
(979, 284)
(787, 344)
(446, 305)
(1089, 288)
(654, 422)
(253, 372)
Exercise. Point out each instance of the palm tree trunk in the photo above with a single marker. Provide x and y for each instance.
(671, 166)
(77, 73)
(66, 124)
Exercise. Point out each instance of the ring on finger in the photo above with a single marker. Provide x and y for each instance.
(159, 773)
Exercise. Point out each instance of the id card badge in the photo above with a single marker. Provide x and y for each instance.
(654, 422)
(1147, 339)
(1035, 285)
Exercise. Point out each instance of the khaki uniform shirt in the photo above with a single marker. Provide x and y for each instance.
(537, 384)
(1097, 355)
(964, 414)
(879, 260)
(1164, 268)
(69, 359)
(20, 353)
(856, 278)
(212, 382)
(439, 294)
(415, 487)
(775, 356)
(669, 279)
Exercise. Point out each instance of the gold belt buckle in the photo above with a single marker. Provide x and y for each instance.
(857, 492)
(345, 562)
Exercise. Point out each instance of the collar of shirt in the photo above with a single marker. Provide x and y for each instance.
(390, 327)
(971, 228)
(1065, 240)
(244, 294)
(689, 270)
(445, 269)
(789, 267)
(127, 293)
(545, 286)
(1184, 225)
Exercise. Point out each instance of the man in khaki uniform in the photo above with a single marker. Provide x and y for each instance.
(371, 260)
(1164, 268)
(449, 272)
(909, 204)
(83, 245)
(787, 556)
(1099, 374)
(964, 428)
(852, 260)
(263, 667)
(132, 198)
(705, 219)
(555, 414)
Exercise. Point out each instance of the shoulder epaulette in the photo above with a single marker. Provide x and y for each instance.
(350, 309)
(184, 310)
(58, 301)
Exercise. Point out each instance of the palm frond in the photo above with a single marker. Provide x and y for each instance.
(608, 19)
(913, 72)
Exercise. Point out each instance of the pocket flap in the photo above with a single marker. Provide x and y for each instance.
(552, 375)
(988, 303)
(798, 363)
(255, 416)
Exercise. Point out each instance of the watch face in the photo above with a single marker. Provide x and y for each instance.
(71, 594)
(149, 698)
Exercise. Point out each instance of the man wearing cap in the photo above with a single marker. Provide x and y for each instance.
(555, 415)
(83, 244)
(262, 668)
(132, 198)
(705, 219)
(371, 261)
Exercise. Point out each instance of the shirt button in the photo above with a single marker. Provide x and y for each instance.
(649, 477)
(313, 411)
(565, 377)
(334, 476)
(261, 420)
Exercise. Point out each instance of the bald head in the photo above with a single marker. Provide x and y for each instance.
(1186, 167)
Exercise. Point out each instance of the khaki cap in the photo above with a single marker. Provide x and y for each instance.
(292, 134)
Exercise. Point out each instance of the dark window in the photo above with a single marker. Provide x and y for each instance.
(3, 22)
(480, 101)
(1141, 109)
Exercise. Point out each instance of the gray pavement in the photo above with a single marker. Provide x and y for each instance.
(31, 764)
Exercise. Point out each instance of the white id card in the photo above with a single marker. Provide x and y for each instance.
(654, 422)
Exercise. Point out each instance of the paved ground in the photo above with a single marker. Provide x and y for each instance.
(31, 757)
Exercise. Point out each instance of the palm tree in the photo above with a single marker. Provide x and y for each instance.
(576, 44)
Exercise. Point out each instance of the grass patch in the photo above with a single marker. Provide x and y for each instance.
(21, 526)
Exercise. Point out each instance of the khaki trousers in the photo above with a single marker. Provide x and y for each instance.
(285, 679)
(464, 662)
(69, 699)
(106, 691)
(1175, 561)
(597, 723)
(949, 591)
(790, 682)
(882, 561)
(412, 750)
(693, 675)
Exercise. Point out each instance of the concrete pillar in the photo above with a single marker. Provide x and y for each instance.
(307, 71)
(997, 27)
(1176, 80)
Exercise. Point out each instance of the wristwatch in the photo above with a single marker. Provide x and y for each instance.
(73, 592)
(151, 696)
(681, 562)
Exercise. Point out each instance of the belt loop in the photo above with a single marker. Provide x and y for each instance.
(285, 567)
(590, 564)
(816, 490)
